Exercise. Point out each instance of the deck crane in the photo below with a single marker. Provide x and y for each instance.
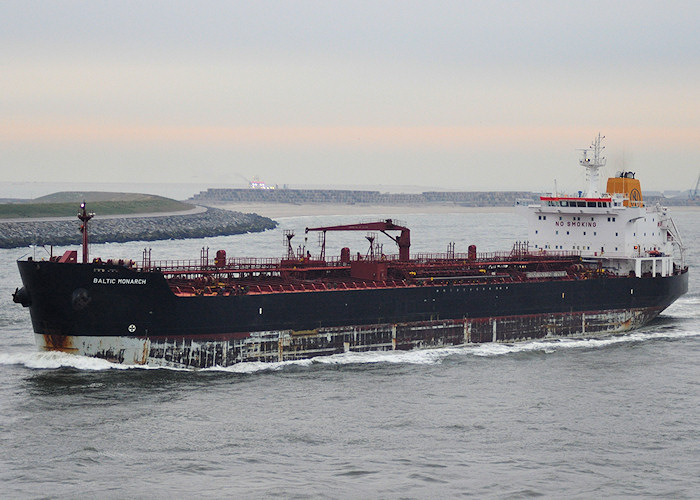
(403, 240)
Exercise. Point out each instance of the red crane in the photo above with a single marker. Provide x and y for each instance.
(403, 240)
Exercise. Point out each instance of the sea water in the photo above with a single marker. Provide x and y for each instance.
(610, 416)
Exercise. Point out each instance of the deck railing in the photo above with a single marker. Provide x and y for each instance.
(262, 264)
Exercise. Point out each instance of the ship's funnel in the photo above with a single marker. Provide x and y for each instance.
(628, 186)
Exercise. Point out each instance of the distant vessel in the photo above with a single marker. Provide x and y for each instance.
(595, 263)
(256, 183)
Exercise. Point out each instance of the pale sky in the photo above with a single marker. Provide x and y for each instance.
(443, 94)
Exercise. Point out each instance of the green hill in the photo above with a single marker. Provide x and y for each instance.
(93, 196)
(67, 204)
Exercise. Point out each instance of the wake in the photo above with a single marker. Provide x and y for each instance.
(37, 360)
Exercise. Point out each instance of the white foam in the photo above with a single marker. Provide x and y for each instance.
(437, 355)
(685, 307)
(554, 345)
(416, 357)
(51, 360)
(54, 360)
(259, 366)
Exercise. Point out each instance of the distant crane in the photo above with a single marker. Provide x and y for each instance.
(247, 181)
(694, 192)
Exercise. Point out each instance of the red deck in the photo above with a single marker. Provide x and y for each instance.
(262, 276)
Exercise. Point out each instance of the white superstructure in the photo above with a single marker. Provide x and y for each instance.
(613, 227)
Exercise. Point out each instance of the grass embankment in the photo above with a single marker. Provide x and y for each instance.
(68, 204)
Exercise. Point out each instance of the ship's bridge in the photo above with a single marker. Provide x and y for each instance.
(573, 202)
(601, 227)
(614, 227)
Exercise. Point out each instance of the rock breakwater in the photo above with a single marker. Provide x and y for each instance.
(212, 222)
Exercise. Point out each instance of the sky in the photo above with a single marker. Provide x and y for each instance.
(463, 95)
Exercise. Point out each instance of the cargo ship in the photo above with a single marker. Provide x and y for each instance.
(594, 263)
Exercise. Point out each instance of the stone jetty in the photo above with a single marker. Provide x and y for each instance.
(209, 223)
(224, 196)
(340, 196)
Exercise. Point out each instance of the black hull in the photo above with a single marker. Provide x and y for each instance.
(130, 316)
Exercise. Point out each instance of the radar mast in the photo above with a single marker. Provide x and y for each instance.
(593, 165)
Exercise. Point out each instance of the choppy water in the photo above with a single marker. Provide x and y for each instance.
(590, 417)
